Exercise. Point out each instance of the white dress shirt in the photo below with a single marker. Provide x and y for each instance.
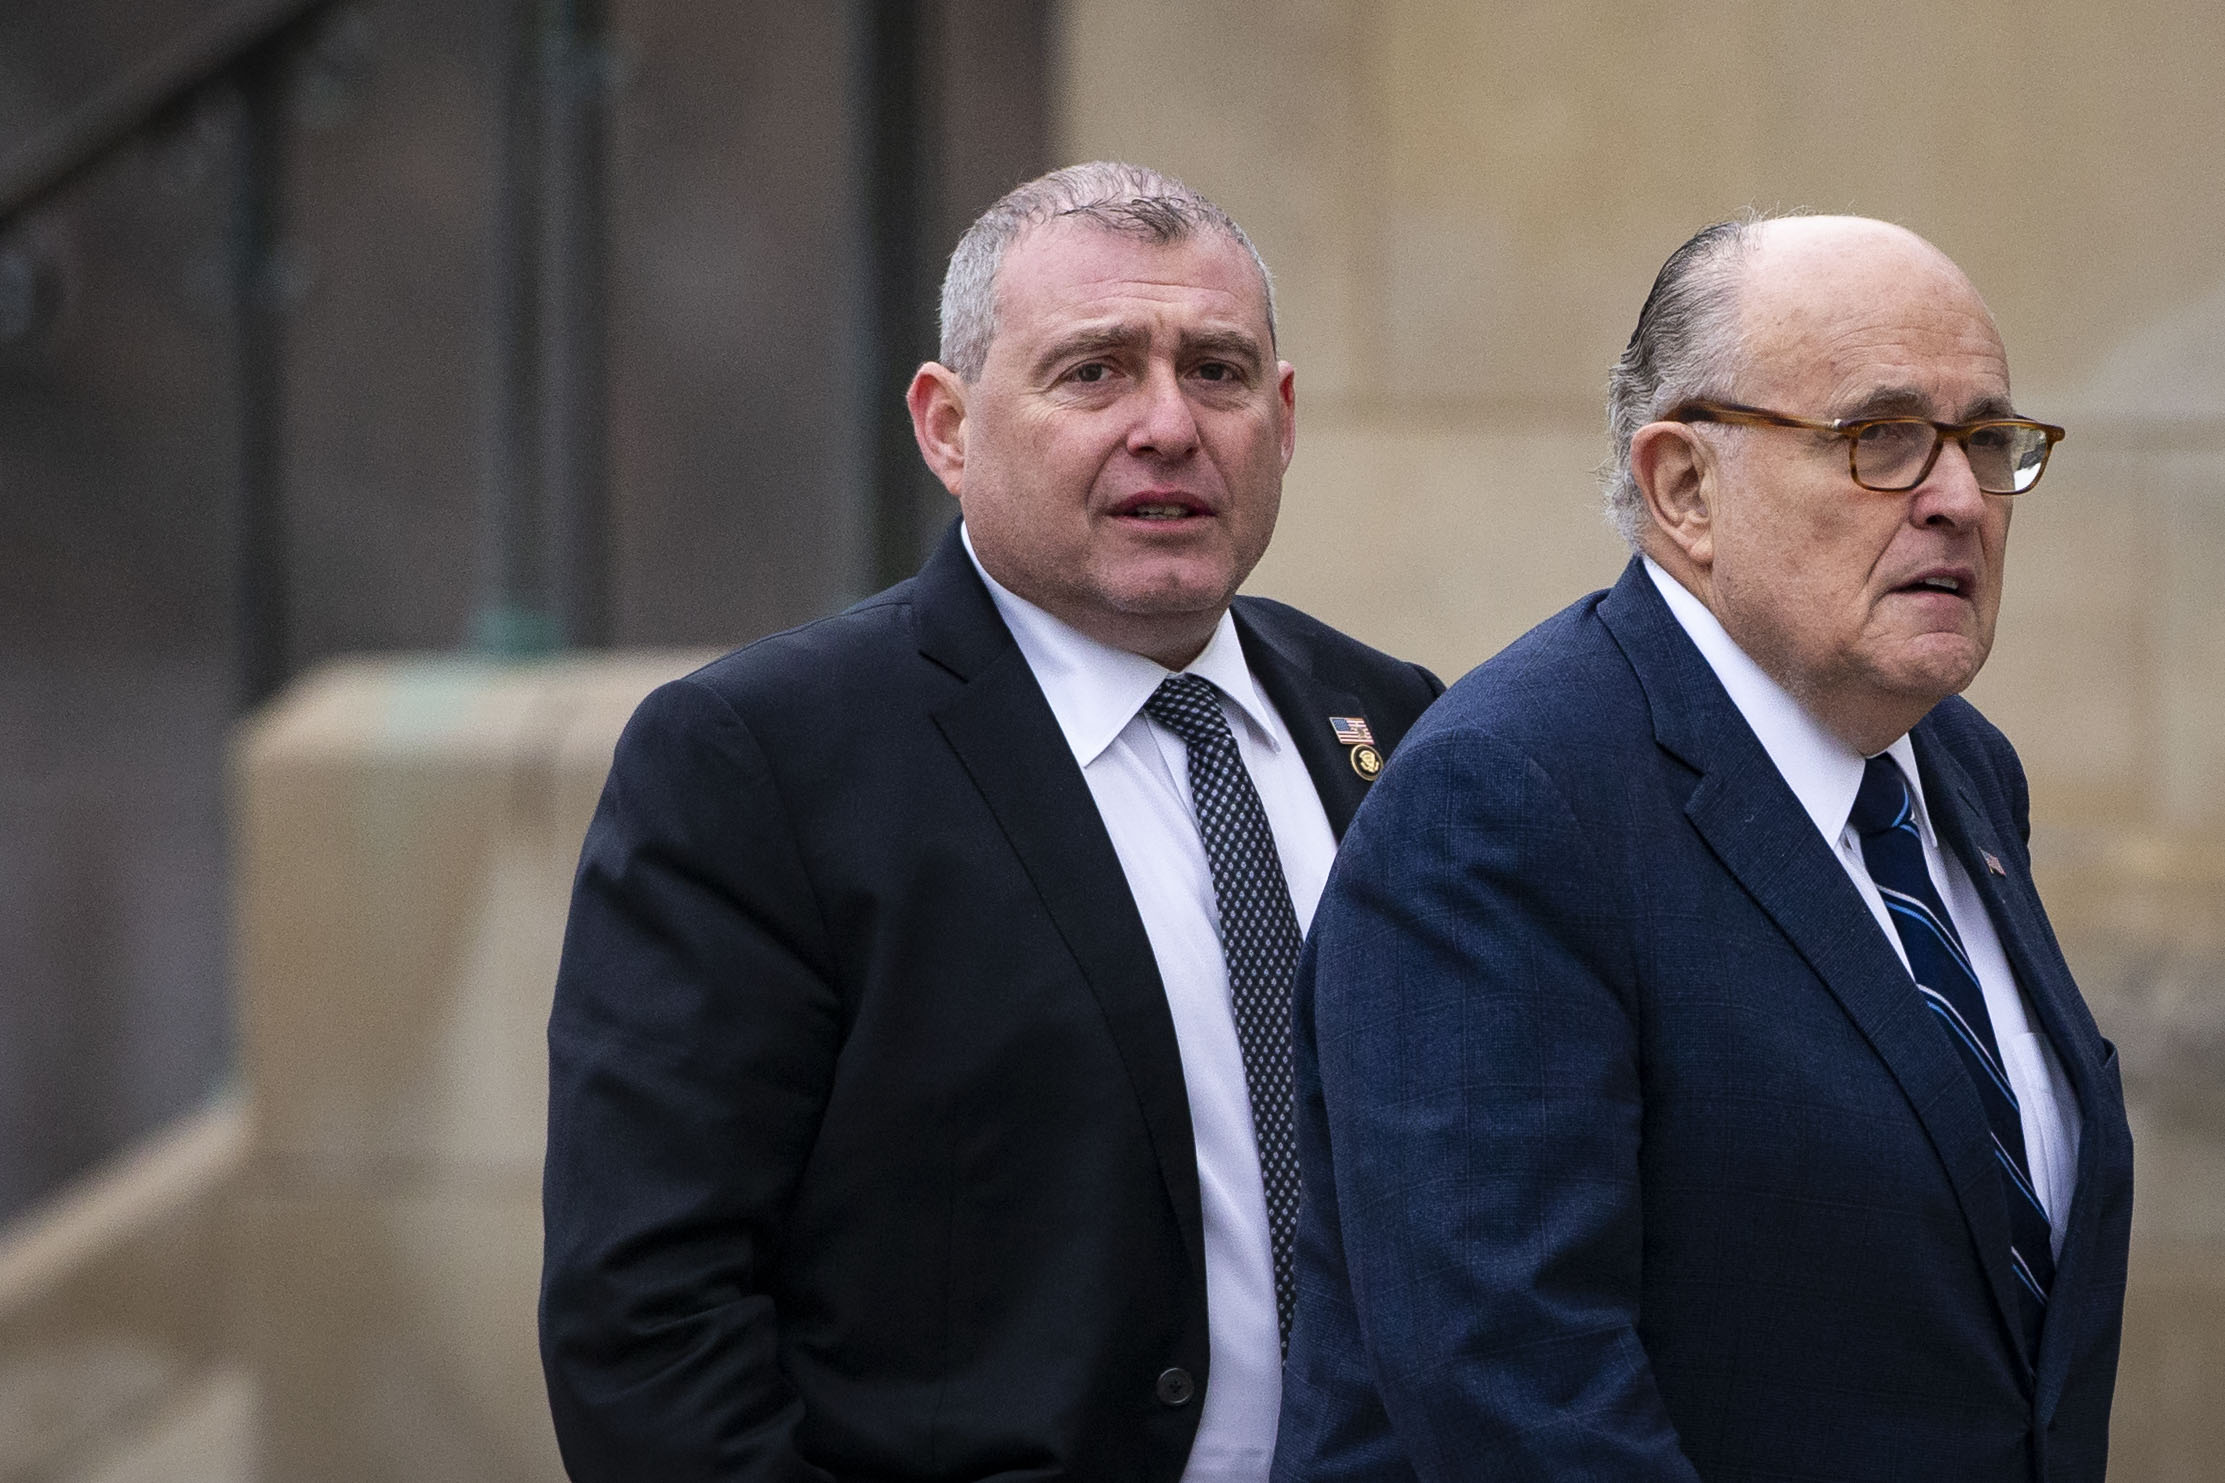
(1825, 773)
(1138, 771)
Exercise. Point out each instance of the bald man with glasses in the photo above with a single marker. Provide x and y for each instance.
(1689, 1082)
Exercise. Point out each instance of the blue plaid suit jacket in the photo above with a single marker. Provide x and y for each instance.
(1629, 1150)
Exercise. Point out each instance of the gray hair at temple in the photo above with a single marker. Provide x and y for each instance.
(1120, 198)
(1685, 346)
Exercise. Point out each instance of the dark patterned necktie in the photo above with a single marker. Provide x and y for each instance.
(1885, 817)
(1259, 940)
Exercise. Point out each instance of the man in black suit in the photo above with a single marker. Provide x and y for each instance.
(1690, 1086)
(919, 1100)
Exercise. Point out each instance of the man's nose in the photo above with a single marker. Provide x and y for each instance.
(1950, 491)
(1165, 422)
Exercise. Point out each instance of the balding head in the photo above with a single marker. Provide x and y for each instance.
(1827, 295)
(1867, 606)
(1691, 340)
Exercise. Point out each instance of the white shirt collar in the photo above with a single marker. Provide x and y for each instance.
(1823, 772)
(1095, 690)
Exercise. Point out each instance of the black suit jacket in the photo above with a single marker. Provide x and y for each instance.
(1630, 1149)
(869, 1155)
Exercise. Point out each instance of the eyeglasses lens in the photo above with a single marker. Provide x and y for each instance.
(2005, 457)
(1889, 455)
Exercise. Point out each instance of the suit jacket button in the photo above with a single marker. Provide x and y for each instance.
(1175, 1387)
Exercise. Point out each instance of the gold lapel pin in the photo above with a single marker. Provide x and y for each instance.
(1355, 733)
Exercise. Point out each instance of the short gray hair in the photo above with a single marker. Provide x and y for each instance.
(1119, 198)
(1685, 346)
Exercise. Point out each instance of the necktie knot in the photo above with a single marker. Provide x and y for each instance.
(1882, 803)
(1188, 706)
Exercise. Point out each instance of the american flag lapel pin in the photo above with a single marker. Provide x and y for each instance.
(1993, 864)
(1353, 732)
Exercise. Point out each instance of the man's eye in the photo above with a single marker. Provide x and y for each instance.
(1214, 370)
(1094, 371)
(1989, 436)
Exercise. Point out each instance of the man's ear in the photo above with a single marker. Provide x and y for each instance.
(1674, 469)
(937, 398)
(1286, 392)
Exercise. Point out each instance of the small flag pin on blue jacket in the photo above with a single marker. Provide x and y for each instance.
(1993, 864)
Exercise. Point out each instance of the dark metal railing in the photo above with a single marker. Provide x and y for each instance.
(545, 569)
(59, 156)
(547, 513)
(243, 47)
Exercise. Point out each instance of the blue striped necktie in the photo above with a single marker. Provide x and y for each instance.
(1885, 818)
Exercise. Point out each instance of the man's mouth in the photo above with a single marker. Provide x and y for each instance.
(1159, 508)
(1953, 583)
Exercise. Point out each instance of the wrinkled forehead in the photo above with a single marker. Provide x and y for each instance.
(1841, 319)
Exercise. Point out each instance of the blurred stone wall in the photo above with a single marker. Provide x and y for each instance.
(407, 832)
(333, 1278)
(741, 440)
(1464, 205)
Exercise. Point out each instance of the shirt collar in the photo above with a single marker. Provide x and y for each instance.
(1823, 772)
(1095, 690)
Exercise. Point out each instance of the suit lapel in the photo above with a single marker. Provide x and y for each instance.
(1961, 819)
(1305, 705)
(1011, 747)
(1749, 817)
(2014, 907)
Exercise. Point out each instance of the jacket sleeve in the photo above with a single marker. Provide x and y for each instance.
(1469, 1082)
(691, 1048)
